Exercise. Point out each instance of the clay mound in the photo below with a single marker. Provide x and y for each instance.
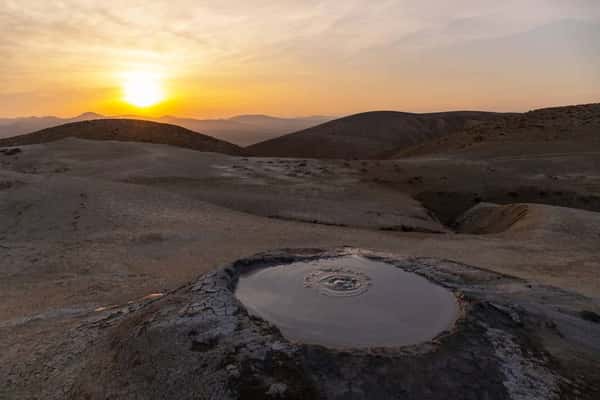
(548, 130)
(526, 221)
(368, 135)
(487, 218)
(127, 130)
(200, 342)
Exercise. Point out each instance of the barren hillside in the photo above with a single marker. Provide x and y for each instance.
(368, 135)
(126, 130)
(560, 129)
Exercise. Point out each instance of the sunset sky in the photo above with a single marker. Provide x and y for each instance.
(291, 58)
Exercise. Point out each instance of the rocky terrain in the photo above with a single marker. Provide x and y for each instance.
(105, 246)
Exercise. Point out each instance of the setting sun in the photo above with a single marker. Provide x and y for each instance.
(142, 89)
(300, 199)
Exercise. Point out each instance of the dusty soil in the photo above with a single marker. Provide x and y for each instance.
(91, 224)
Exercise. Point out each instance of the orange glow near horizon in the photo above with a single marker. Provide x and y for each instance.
(293, 58)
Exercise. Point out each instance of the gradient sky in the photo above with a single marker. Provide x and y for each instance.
(299, 57)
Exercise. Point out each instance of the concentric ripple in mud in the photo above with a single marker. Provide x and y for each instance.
(348, 301)
(338, 281)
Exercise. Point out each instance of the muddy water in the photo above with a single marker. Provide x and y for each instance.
(348, 302)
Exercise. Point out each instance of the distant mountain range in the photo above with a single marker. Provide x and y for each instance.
(245, 130)
(370, 135)
(242, 130)
(18, 126)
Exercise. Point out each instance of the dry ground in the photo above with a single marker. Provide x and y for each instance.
(87, 224)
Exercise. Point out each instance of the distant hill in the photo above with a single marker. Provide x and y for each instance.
(127, 130)
(368, 135)
(18, 126)
(558, 129)
(245, 130)
(242, 130)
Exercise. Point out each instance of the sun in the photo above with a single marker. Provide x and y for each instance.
(142, 89)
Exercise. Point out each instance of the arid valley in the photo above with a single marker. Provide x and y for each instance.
(103, 233)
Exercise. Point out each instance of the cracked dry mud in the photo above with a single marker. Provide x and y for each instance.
(513, 340)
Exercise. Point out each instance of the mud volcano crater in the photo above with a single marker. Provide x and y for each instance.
(342, 324)
(348, 301)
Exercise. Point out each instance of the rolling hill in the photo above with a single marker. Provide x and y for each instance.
(127, 130)
(368, 135)
(548, 130)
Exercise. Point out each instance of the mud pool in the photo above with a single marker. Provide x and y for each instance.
(348, 301)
